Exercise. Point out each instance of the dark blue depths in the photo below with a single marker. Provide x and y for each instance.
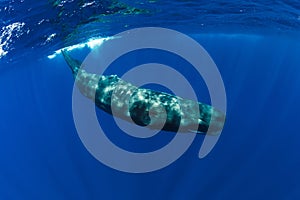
(256, 157)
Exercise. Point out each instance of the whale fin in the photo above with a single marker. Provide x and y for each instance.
(73, 63)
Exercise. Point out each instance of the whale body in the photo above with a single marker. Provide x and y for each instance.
(145, 107)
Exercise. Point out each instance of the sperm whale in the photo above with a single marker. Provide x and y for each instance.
(145, 107)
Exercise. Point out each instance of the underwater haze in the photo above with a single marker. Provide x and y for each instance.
(256, 47)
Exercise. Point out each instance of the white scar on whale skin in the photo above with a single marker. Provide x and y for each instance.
(166, 110)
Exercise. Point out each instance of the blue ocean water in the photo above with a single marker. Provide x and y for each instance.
(255, 45)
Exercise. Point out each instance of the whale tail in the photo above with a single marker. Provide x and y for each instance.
(73, 63)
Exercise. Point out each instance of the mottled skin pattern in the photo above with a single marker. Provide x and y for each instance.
(145, 107)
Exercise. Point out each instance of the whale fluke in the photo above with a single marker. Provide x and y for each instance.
(72, 63)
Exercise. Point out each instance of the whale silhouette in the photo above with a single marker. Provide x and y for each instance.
(146, 107)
